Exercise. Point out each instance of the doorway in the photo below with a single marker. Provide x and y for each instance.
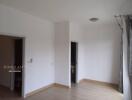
(18, 65)
(11, 65)
(74, 47)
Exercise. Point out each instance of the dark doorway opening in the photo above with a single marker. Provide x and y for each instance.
(73, 62)
(11, 66)
(18, 65)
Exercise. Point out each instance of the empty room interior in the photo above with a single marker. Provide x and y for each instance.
(65, 49)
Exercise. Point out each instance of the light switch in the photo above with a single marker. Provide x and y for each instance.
(30, 60)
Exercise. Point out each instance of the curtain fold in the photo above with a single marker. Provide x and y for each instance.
(129, 38)
(126, 57)
(121, 64)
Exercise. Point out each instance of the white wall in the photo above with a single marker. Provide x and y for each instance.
(99, 50)
(6, 60)
(62, 48)
(39, 45)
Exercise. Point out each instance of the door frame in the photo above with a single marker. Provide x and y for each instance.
(77, 44)
(23, 59)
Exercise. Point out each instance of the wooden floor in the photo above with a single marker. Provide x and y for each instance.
(82, 91)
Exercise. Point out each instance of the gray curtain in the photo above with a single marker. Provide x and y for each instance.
(126, 30)
(126, 57)
(129, 38)
(129, 34)
(121, 64)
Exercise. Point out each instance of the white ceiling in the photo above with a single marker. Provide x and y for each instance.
(72, 10)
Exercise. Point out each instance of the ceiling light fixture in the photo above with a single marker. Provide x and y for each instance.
(93, 19)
